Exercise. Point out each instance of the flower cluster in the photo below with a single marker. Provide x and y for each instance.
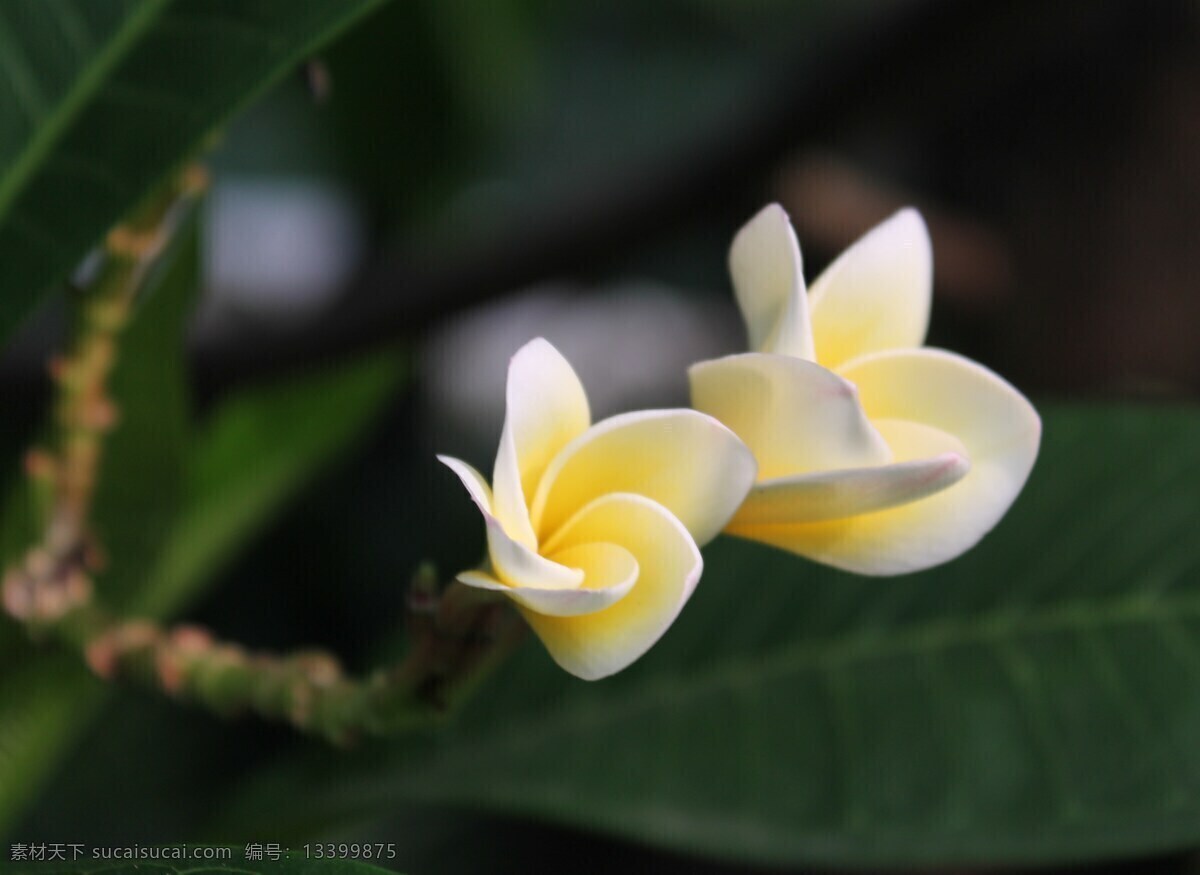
(839, 437)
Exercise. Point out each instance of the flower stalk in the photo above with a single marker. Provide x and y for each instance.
(55, 575)
(452, 648)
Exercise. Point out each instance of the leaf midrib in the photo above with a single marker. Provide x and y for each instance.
(92, 78)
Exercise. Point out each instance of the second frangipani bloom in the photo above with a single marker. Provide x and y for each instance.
(875, 454)
(594, 531)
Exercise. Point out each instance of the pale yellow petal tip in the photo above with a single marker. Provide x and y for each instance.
(908, 229)
(906, 226)
(538, 346)
(768, 233)
(473, 481)
(910, 218)
(772, 216)
(768, 284)
(955, 467)
(480, 578)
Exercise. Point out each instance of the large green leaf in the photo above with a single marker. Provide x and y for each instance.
(100, 98)
(1036, 700)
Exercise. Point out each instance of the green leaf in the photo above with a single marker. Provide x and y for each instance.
(45, 700)
(1037, 700)
(145, 461)
(99, 99)
(259, 448)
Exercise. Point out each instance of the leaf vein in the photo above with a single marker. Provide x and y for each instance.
(20, 73)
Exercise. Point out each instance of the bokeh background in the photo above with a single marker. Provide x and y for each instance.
(452, 178)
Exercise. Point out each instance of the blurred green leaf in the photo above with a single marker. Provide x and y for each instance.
(1036, 700)
(99, 99)
(257, 450)
(46, 699)
(145, 459)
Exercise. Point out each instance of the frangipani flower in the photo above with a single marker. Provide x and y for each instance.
(875, 454)
(593, 531)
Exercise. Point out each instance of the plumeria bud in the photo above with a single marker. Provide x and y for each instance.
(191, 639)
(105, 653)
(423, 590)
(321, 669)
(195, 180)
(59, 368)
(101, 656)
(18, 594)
(40, 464)
(94, 556)
(39, 563)
(98, 414)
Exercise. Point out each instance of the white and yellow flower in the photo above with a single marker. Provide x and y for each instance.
(593, 531)
(875, 454)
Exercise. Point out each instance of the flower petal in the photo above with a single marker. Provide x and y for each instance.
(876, 295)
(837, 494)
(997, 425)
(944, 390)
(545, 409)
(517, 565)
(477, 487)
(796, 416)
(769, 284)
(609, 573)
(686, 461)
(596, 645)
(514, 563)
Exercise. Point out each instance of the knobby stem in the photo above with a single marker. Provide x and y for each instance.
(456, 636)
(55, 575)
(455, 647)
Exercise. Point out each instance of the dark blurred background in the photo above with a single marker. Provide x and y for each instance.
(456, 177)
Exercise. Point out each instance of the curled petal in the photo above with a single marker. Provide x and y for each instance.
(609, 573)
(596, 645)
(517, 565)
(876, 295)
(768, 281)
(836, 494)
(950, 395)
(477, 487)
(545, 409)
(513, 562)
(686, 461)
(946, 391)
(796, 416)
